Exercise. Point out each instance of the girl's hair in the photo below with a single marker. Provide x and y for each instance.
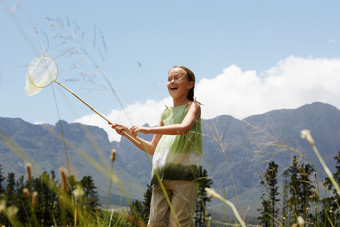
(191, 77)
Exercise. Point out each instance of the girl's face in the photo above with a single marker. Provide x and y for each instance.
(178, 83)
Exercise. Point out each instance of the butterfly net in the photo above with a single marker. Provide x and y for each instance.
(42, 71)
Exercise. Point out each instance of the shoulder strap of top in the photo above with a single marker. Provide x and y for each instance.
(187, 105)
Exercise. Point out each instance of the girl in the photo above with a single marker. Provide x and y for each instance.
(177, 153)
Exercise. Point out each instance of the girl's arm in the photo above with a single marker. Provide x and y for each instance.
(147, 146)
(193, 112)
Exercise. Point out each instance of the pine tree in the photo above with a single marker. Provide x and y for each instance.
(24, 208)
(90, 194)
(330, 211)
(201, 212)
(271, 176)
(146, 203)
(294, 188)
(307, 190)
(265, 211)
(285, 206)
(269, 210)
(3, 219)
(2, 178)
(136, 209)
(11, 197)
(141, 210)
(47, 197)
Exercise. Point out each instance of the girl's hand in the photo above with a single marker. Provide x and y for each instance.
(135, 129)
(120, 128)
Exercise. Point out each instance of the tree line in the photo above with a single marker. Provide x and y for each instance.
(304, 199)
(46, 201)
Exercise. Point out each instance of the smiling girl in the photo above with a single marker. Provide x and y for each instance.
(177, 152)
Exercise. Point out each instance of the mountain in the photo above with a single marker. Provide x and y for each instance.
(87, 147)
(275, 136)
(234, 151)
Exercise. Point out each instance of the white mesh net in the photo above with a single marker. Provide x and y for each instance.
(42, 71)
(30, 89)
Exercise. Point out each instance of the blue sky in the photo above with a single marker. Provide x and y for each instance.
(249, 57)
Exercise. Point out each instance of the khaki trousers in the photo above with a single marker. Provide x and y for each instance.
(182, 195)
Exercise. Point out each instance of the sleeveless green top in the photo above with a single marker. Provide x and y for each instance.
(178, 157)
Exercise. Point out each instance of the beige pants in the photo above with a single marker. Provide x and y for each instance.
(182, 195)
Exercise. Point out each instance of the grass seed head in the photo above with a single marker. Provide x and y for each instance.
(26, 192)
(63, 178)
(301, 222)
(29, 171)
(12, 211)
(35, 199)
(113, 155)
(305, 134)
(212, 193)
(78, 192)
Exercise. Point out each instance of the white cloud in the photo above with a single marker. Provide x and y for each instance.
(38, 123)
(134, 114)
(293, 82)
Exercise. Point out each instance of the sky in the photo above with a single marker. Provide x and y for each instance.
(249, 57)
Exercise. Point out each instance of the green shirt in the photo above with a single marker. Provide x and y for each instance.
(178, 157)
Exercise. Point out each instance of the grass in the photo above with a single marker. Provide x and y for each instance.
(69, 204)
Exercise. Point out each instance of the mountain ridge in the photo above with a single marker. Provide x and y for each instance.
(234, 151)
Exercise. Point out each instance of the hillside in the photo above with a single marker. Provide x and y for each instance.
(43, 147)
(235, 151)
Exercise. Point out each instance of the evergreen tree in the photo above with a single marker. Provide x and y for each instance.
(285, 206)
(302, 191)
(330, 211)
(90, 194)
(141, 210)
(265, 211)
(307, 190)
(146, 203)
(47, 198)
(294, 188)
(24, 208)
(269, 210)
(2, 178)
(271, 176)
(136, 210)
(336, 175)
(11, 198)
(3, 219)
(201, 217)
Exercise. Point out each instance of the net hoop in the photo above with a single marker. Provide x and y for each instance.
(42, 71)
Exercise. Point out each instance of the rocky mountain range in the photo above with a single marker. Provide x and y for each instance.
(234, 151)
